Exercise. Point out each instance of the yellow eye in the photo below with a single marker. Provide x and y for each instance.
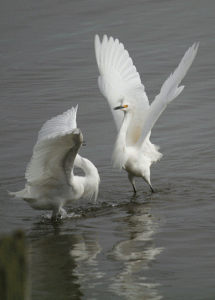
(125, 106)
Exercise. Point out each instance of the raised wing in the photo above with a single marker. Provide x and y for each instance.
(55, 151)
(169, 91)
(59, 124)
(119, 80)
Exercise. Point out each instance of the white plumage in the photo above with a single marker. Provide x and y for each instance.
(121, 85)
(51, 183)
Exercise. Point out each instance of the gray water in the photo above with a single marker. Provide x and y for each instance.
(149, 246)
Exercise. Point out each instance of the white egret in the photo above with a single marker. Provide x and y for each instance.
(121, 85)
(51, 183)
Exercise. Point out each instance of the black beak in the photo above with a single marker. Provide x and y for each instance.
(118, 107)
(84, 143)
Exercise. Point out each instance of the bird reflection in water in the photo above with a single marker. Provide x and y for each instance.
(84, 253)
(112, 252)
(136, 253)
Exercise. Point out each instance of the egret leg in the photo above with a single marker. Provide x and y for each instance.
(54, 213)
(54, 217)
(131, 179)
(153, 191)
(134, 188)
(149, 183)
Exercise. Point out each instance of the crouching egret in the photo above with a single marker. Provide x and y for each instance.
(121, 85)
(51, 183)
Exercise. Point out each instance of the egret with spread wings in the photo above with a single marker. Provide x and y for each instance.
(121, 85)
(51, 182)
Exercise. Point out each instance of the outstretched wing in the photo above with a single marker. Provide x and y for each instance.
(119, 81)
(59, 124)
(55, 151)
(169, 91)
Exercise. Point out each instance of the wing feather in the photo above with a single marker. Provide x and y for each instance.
(169, 91)
(59, 124)
(119, 80)
(54, 153)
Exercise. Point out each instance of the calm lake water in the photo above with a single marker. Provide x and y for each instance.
(151, 246)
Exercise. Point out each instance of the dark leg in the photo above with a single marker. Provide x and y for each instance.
(54, 218)
(131, 179)
(135, 191)
(149, 183)
(153, 191)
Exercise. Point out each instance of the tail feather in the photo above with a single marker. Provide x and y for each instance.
(25, 194)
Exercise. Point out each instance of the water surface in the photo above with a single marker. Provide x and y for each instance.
(124, 247)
